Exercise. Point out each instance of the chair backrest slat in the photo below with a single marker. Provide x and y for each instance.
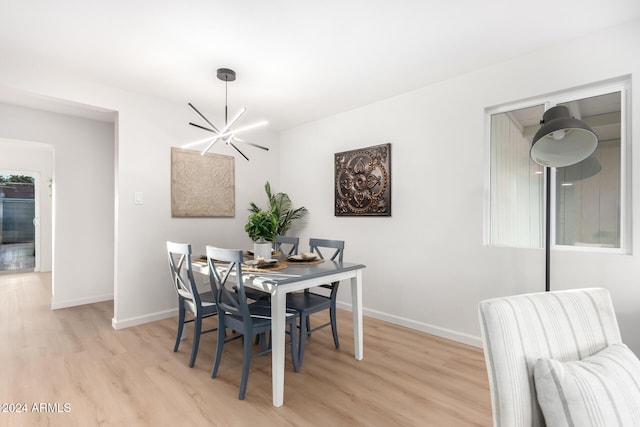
(182, 273)
(291, 242)
(229, 294)
(338, 245)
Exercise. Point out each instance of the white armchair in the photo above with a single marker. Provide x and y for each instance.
(544, 351)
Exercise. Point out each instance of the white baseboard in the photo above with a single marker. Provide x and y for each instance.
(139, 320)
(55, 305)
(419, 326)
(396, 320)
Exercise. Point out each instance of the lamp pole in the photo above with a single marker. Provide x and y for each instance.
(547, 226)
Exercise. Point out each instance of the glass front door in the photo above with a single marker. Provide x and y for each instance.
(17, 230)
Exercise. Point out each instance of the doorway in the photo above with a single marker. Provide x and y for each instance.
(18, 222)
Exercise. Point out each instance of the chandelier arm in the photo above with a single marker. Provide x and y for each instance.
(227, 127)
(199, 142)
(203, 117)
(242, 129)
(209, 146)
(250, 143)
(238, 150)
(216, 131)
(246, 128)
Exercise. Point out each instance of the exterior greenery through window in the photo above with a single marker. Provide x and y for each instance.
(589, 200)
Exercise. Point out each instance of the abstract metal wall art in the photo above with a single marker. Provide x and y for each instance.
(202, 185)
(363, 182)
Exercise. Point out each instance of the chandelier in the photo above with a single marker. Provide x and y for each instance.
(228, 133)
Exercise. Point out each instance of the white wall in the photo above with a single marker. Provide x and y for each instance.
(21, 156)
(427, 265)
(81, 164)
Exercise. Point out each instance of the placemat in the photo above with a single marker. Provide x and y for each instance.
(205, 260)
(275, 267)
(315, 261)
(249, 254)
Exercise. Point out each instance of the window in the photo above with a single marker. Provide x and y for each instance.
(589, 200)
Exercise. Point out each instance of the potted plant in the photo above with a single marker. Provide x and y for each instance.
(281, 206)
(262, 227)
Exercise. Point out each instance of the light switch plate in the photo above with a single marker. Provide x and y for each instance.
(137, 197)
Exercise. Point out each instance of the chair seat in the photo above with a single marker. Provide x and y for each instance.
(308, 302)
(255, 294)
(208, 303)
(260, 317)
(262, 310)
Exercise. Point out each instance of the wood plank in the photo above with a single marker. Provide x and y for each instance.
(132, 377)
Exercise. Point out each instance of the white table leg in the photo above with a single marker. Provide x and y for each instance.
(356, 307)
(278, 307)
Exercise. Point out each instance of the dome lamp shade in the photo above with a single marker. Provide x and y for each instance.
(562, 140)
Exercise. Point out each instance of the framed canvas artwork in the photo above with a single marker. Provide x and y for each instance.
(363, 181)
(202, 185)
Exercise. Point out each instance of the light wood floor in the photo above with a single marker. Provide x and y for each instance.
(132, 377)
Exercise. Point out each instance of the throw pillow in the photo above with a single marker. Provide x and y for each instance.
(600, 390)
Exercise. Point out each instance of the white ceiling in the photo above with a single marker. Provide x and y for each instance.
(296, 60)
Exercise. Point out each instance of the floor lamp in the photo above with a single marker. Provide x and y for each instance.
(561, 141)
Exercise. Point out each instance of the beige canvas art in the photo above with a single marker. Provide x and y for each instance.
(202, 185)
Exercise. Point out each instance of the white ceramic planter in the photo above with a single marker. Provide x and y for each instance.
(262, 250)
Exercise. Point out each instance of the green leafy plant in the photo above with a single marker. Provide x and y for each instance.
(262, 226)
(281, 206)
(16, 178)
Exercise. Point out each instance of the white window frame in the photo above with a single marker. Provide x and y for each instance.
(621, 85)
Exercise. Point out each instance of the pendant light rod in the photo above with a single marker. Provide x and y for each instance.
(226, 109)
(226, 75)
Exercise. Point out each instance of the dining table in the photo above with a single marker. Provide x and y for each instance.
(291, 277)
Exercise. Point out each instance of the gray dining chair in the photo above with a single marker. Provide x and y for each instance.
(286, 245)
(237, 314)
(309, 302)
(190, 300)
